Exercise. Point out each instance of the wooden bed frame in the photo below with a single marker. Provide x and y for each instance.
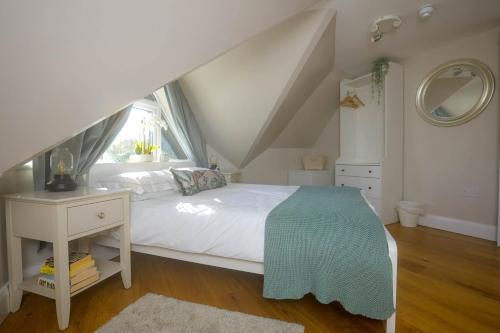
(104, 171)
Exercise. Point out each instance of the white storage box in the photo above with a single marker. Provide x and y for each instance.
(314, 162)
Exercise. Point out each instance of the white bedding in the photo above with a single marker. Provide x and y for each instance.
(227, 222)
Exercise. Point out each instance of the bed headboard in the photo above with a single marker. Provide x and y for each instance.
(106, 170)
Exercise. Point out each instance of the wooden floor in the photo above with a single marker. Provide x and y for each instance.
(447, 283)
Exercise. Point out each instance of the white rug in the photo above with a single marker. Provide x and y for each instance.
(155, 313)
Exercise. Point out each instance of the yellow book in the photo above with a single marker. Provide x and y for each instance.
(85, 274)
(84, 283)
(78, 259)
(77, 262)
(74, 272)
(45, 269)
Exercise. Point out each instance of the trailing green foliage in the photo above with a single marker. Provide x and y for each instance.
(379, 71)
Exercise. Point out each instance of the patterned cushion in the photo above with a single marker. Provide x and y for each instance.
(185, 181)
(208, 179)
(193, 180)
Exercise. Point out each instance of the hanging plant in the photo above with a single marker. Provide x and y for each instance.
(379, 71)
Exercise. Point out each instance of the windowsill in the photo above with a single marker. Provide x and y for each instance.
(171, 161)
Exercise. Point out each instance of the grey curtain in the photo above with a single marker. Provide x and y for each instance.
(171, 146)
(186, 124)
(86, 147)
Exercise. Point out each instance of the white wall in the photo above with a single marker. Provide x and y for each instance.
(320, 112)
(13, 182)
(222, 162)
(443, 163)
(313, 116)
(234, 96)
(271, 167)
(328, 142)
(76, 63)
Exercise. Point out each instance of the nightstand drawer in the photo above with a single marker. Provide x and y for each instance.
(95, 215)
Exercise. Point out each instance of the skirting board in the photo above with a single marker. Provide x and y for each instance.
(4, 301)
(463, 227)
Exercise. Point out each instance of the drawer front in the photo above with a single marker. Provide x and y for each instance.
(372, 171)
(371, 186)
(87, 217)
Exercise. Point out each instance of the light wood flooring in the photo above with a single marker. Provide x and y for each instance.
(447, 283)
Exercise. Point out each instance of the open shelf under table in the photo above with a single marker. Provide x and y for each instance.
(106, 269)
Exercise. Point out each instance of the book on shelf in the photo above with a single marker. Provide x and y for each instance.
(82, 272)
(81, 268)
(78, 261)
(46, 281)
(85, 274)
(84, 283)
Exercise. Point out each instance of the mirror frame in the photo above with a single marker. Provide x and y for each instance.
(484, 74)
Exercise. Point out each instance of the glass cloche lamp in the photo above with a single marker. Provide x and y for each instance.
(61, 164)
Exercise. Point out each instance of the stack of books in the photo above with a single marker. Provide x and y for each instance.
(82, 271)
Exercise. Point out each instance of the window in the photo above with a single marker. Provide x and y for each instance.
(145, 124)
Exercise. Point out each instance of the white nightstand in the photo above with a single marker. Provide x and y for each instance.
(232, 176)
(59, 218)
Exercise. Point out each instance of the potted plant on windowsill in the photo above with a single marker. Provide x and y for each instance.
(143, 152)
(144, 147)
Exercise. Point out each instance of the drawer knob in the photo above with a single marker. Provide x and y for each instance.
(342, 170)
(342, 185)
(369, 187)
(101, 215)
(369, 171)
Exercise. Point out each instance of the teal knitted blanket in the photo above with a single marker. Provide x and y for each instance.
(327, 241)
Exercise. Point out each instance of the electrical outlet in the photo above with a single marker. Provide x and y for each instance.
(471, 192)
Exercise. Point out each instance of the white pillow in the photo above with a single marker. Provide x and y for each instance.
(143, 184)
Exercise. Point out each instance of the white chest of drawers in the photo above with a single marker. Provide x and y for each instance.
(365, 177)
(60, 218)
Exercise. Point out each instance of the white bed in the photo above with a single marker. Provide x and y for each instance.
(222, 227)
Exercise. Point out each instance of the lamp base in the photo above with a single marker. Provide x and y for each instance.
(61, 184)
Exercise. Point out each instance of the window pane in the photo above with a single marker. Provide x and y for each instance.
(123, 145)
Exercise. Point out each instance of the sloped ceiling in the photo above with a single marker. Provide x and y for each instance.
(451, 19)
(65, 65)
(318, 62)
(246, 97)
(314, 115)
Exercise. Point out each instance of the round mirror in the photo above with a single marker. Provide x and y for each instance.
(455, 92)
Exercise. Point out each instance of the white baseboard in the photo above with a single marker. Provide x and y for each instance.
(4, 301)
(458, 226)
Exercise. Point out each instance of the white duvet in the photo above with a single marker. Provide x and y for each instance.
(227, 222)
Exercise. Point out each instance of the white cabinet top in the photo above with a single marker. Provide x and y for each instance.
(309, 171)
(61, 197)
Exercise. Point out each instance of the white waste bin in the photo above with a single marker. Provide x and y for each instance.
(409, 212)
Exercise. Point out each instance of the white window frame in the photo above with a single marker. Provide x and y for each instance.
(154, 108)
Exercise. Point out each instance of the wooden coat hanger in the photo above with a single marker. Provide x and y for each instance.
(352, 100)
(349, 102)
